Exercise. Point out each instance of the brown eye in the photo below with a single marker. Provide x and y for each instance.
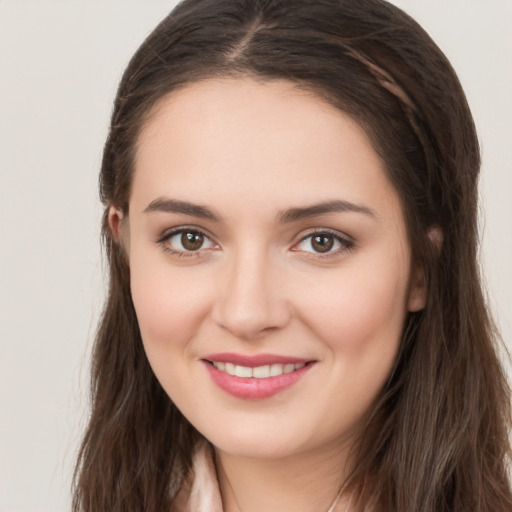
(192, 240)
(322, 242)
(183, 241)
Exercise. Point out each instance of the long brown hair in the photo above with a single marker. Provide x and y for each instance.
(437, 436)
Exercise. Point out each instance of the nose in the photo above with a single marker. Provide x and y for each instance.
(250, 299)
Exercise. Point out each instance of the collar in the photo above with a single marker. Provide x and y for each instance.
(200, 490)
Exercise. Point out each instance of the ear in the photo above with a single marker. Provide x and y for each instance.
(417, 297)
(115, 218)
(435, 235)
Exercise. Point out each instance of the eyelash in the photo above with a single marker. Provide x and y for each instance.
(166, 236)
(346, 244)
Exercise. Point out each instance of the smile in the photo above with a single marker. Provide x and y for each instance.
(255, 377)
(258, 372)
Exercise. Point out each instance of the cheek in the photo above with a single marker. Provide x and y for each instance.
(359, 313)
(360, 321)
(169, 303)
(170, 309)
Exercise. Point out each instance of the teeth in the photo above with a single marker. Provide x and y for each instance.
(243, 371)
(276, 369)
(259, 372)
(288, 368)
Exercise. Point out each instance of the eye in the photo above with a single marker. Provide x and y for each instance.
(324, 242)
(184, 241)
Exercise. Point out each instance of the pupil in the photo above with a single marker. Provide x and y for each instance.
(192, 241)
(322, 243)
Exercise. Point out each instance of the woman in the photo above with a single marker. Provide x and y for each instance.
(294, 320)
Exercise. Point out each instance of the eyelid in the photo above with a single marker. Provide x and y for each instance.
(346, 241)
(169, 233)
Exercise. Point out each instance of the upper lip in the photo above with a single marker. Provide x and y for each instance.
(252, 361)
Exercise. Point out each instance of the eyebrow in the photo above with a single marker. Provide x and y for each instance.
(336, 206)
(165, 205)
(294, 214)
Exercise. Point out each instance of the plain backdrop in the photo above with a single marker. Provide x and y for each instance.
(60, 62)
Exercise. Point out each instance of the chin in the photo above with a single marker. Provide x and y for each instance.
(257, 448)
(269, 442)
(254, 442)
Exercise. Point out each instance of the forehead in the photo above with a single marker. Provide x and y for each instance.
(243, 137)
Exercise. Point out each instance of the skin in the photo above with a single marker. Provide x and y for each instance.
(249, 151)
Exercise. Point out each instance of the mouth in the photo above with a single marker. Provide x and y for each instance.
(258, 372)
(255, 377)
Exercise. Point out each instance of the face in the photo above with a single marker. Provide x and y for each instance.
(270, 267)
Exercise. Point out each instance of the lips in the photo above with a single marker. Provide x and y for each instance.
(255, 377)
(255, 360)
(257, 372)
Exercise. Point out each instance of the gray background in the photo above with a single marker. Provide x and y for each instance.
(60, 62)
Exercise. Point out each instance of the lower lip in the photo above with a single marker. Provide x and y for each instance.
(251, 388)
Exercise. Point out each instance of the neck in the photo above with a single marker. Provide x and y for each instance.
(306, 482)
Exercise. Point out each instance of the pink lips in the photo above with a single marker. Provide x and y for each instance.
(250, 387)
